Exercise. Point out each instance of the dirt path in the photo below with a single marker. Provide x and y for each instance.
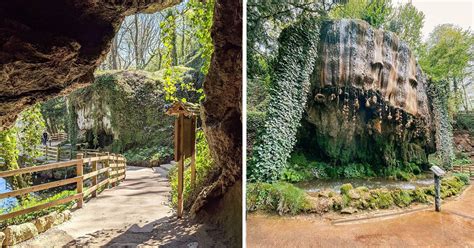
(133, 213)
(453, 227)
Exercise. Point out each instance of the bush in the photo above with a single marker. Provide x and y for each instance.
(34, 202)
(284, 198)
(463, 177)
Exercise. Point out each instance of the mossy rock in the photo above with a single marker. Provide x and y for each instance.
(381, 199)
(401, 198)
(345, 188)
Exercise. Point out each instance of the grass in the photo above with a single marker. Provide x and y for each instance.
(280, 197)
(35, 202)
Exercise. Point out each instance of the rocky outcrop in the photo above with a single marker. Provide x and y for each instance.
(123, 110)
(369, 100)
(221, 200)
(18, 233)
(48, 48)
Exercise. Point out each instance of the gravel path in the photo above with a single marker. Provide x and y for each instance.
(133, 213)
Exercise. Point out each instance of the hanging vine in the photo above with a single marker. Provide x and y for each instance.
(295, 62)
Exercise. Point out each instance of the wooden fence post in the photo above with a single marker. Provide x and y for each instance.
(58, 154)
(107, 173)
(80, 183)
(94, 178)
(46, 151)
(180, 165)
(193, 158)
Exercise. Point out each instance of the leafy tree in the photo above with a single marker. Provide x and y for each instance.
(265, 21)
(200, 18)
(353, 9)
(407, 23)
(22, 139)
(445, 58)
(54, 113)
(30, 126)
(377, 12)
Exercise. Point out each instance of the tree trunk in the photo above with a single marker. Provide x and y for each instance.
(135, 43)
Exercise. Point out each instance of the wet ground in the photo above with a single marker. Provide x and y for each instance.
(453, 227)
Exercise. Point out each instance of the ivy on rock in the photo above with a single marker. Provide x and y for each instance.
(297, 55)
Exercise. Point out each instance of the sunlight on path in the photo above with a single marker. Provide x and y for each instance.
(139, 200)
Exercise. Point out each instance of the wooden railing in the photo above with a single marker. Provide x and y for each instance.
(111, 168)
(56, 153)
(58, 136)
(467, 168)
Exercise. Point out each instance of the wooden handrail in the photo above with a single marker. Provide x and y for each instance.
(40, 207)
(114, 169)
(38, 168)
(39, 187)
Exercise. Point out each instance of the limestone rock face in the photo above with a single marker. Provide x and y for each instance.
(369, 100)
(52, 47)
(44, 223)
(221, 201)
(122, 108)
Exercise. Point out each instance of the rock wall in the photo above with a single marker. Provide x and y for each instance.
(221, 200)
(52, 47)
(129, 107)
(369, 100)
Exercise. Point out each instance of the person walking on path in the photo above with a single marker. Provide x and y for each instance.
(44, 139)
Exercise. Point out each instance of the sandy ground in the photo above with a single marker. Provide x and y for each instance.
(131, 214)
(453, 227)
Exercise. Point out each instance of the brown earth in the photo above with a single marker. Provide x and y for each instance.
(453, 227)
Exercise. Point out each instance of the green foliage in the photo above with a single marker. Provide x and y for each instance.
(353, 9)
(30, 126)
(464, 121)
(204, 164)
(54, 112)
(8, 149)
(345, 188)
(444, 131)
(284, 198)
(201, 20)
(149, 153)
(33, 201)
(133, 103)
(199, 17)
(297, 55)
(463, 177)
(72, 128)
(446, 58)
(22, 139)
(407, 22)
(377, 12)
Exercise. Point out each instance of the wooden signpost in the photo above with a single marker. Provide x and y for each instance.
(184, 143)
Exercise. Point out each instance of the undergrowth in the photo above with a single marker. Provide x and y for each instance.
(33, 201)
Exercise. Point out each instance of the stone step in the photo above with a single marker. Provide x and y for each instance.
(167, 166)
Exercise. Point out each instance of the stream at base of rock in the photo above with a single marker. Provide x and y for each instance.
(372, 183)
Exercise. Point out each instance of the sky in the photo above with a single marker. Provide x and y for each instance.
(458, 12)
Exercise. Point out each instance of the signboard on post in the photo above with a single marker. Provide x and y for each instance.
(438, 174)
(184, 143)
